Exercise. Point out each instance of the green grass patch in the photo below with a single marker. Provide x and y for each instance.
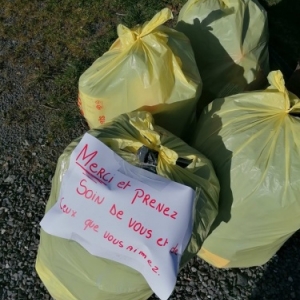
(55, 41)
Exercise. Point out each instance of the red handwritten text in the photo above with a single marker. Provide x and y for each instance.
(162, 242)
(153, 203)
(90, 224)
(144, 256)
(123, 185)
(111, 238)
(174, 249)
(66, 210)
(84, 160)
(89, 194)
(113, 211)
(138, 227)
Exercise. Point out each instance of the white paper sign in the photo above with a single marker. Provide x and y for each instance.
(123, 213)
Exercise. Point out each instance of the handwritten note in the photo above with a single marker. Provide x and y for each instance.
(123, 213)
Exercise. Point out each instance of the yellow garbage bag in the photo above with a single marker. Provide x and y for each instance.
(229, 39)
(253, 142)
(68, 271)
(150, 67)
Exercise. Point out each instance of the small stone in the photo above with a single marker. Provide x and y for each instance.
(203, 271)
(211, 292)
(290, 279)
(10, 223)
(10, 179)
(241, 280)
(235, 291)
(194, 269)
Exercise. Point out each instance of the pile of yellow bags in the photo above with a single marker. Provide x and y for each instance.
(146, 90)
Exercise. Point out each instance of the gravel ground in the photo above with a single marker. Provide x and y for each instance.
(27, 163)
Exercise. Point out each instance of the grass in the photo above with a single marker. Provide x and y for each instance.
(55, 41)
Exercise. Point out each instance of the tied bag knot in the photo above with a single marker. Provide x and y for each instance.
(151, 139)
(129, 36)
(292, 103)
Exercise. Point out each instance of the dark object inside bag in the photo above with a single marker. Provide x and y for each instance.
(183, 162)
(148, 159)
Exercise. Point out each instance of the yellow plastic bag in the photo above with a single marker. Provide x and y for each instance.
(150, 67)
(68, 271)
(229, 39)
(253, 142)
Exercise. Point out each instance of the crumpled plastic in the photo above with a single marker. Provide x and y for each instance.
(150, 67)
(230, 42)
(68, 271)
(253, 142)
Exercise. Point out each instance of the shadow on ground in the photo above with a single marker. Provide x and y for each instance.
(284, 267)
